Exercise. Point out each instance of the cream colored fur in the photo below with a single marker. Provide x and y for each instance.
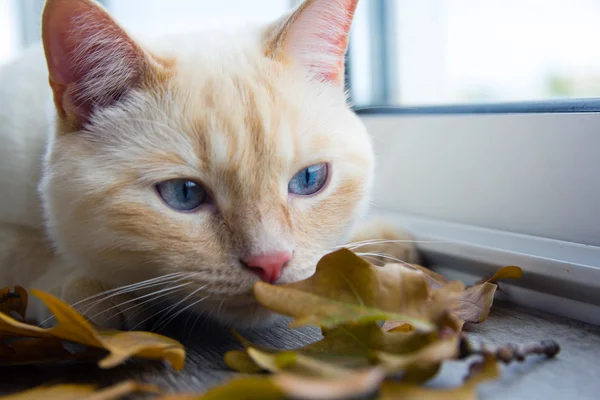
(241, 112)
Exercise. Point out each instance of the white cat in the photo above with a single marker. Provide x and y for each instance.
(177, 172)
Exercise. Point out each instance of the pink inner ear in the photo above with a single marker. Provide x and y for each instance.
(318, 37)
(91, 60)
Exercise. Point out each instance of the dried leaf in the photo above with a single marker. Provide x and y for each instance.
(13, 301)
(422, 364)
(434, 279)
(475, 302)
(393, 326)
(355, 384)
(82, 392)
(488, 370)
(247, 388)
(73, 327)
(510, 272)
(347, 289)
(347, 347)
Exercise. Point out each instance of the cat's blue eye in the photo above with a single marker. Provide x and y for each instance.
(182, 194)
(309, 180)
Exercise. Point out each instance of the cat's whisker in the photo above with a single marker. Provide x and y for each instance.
(171, 318)
(174, 306)
(145, 284)
(362, 243)
(129, 290)
(387, 256)
(155, 293)
(147, 281)
(131, 316)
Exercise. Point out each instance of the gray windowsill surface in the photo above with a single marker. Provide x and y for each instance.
(573, 373)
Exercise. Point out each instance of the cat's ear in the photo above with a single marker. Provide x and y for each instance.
(91, 60)
(314, 36)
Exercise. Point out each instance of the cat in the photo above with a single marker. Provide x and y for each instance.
(171, 174)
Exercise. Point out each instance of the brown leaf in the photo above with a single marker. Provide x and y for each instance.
(488, 370)
(247, 388)
(355, 384)
(346, 347)
(82, 392)
(393, 326)
(347, 289)
(422, 364)
(73, 327)
(510, 272)
(13, 301)
(434, 279)
(475, 302)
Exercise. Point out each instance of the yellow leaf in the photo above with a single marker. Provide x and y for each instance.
(82, 392)
(247, 388)
(73, 327)
(392, 326)
(348, 347)
(398, 390)
(347, 289)
(433, 278)
(475, 302)
(422, 364)
(355, 384)
(510, 272)
(240, 361)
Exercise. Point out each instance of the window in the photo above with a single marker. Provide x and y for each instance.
(471, 51)
(483, 117)
(9, 35)
(157, 17)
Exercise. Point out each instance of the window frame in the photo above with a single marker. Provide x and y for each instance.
(562, 276)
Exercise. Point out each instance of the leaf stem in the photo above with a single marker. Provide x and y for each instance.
(507, 352)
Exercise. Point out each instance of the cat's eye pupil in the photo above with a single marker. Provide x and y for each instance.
(182, 194)
(309, 180)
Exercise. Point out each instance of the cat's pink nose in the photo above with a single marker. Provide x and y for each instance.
(269, 265)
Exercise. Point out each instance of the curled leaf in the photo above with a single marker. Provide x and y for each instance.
(73, 327)
(422, 364)
(475, 302)
(509, 272)
(353, 385)
(347, 289)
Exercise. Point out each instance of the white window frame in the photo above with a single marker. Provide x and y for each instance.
(443, 175)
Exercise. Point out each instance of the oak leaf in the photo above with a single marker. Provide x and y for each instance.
(509, 272)
(73, 327)
(475, 302)
(347, 289)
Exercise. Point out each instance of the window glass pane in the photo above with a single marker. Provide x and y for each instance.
(157, 17)
(9, 34)
(473, 51)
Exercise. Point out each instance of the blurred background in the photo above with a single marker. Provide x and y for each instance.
(402, 52)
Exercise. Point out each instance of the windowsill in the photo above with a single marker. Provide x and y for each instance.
(572, 374)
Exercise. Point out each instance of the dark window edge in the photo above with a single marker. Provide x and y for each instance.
(529, 107)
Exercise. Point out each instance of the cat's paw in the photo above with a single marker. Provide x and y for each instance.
(380, 243)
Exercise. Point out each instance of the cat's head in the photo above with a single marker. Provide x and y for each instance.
(229, 156)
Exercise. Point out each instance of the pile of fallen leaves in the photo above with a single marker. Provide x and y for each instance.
(386, 331)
